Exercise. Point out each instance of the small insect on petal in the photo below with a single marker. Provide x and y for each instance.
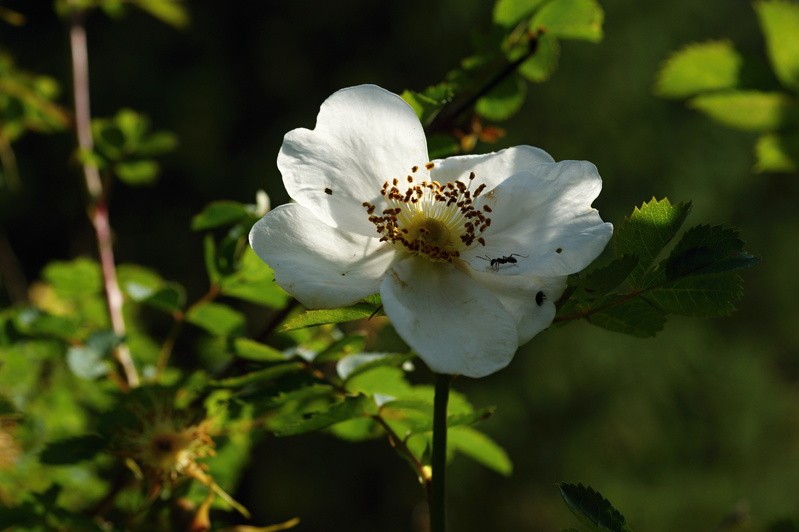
(329, 191)
(540, 297)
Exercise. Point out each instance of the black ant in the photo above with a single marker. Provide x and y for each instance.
(508, 259)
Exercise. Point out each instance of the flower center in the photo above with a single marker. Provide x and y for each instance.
(429, 218)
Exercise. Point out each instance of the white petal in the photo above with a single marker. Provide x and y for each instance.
(530, 300)
(364, 136)
(544, 221)
(323, 267)
(490, 168)
(455, 325)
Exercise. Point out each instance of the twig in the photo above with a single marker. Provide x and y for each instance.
(98, 208)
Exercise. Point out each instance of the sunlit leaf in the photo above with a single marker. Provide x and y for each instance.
(170, 12)
(779, 20)
(252, 350)
(480, 448)
(354, 364)
(74, 279)
(749, 110)
(648, 230)
(309, 318)
(777, 152)
(570, 19)
(544, 61)
(254, 281)
(511, 12)
(699, 68)
(592, 509)
(261, 375)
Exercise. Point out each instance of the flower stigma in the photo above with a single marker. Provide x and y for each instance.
(432, 219)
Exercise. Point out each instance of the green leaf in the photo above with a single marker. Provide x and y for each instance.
(217, 319)
(254, 281)
(310, 318)
(252, 350)
(219, 214)
(91, 360)
(75, 279)
(648, 230)
(266, 374)
(779, 20)
(157, 143)
(504, 100)
(592, 509)
(350, 408)
(169, 12)
(510, 12)
(704, 250)
(34, 322)
(72, 450)
(702, 296)
(635, 317)
(352, 343)
(543, 62)
(357, 363)
(427, 103)
(777, 152)
(700, 67)
(480, 448)
(137, 173)
(147, 287)
(609, 277)
(570, 19)
(749, 110)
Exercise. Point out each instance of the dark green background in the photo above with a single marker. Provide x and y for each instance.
(678, 431)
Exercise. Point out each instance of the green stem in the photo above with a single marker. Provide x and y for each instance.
(438, 521)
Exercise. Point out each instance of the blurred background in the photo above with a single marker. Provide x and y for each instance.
(680, 432)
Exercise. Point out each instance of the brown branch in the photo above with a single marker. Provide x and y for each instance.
(98, 208)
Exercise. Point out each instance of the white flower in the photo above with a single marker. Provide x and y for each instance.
(468, 253)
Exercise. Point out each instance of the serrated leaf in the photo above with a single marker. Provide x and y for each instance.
(266, 374)
(137, 173)
(699, 68)
(648, 230)
(592, 509)
(570, 19)
(704, 296)
(349, 408)
(779, 20)
(310, 318)
(217, 319)
(749, 110)
(543, 62)
(252, 350)
(609, 277)
(510, 12)
(634, 317)
(480, 448)
(219, 214)
(504, 100)
(72, 450)
(777, 152)
(704, 250)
